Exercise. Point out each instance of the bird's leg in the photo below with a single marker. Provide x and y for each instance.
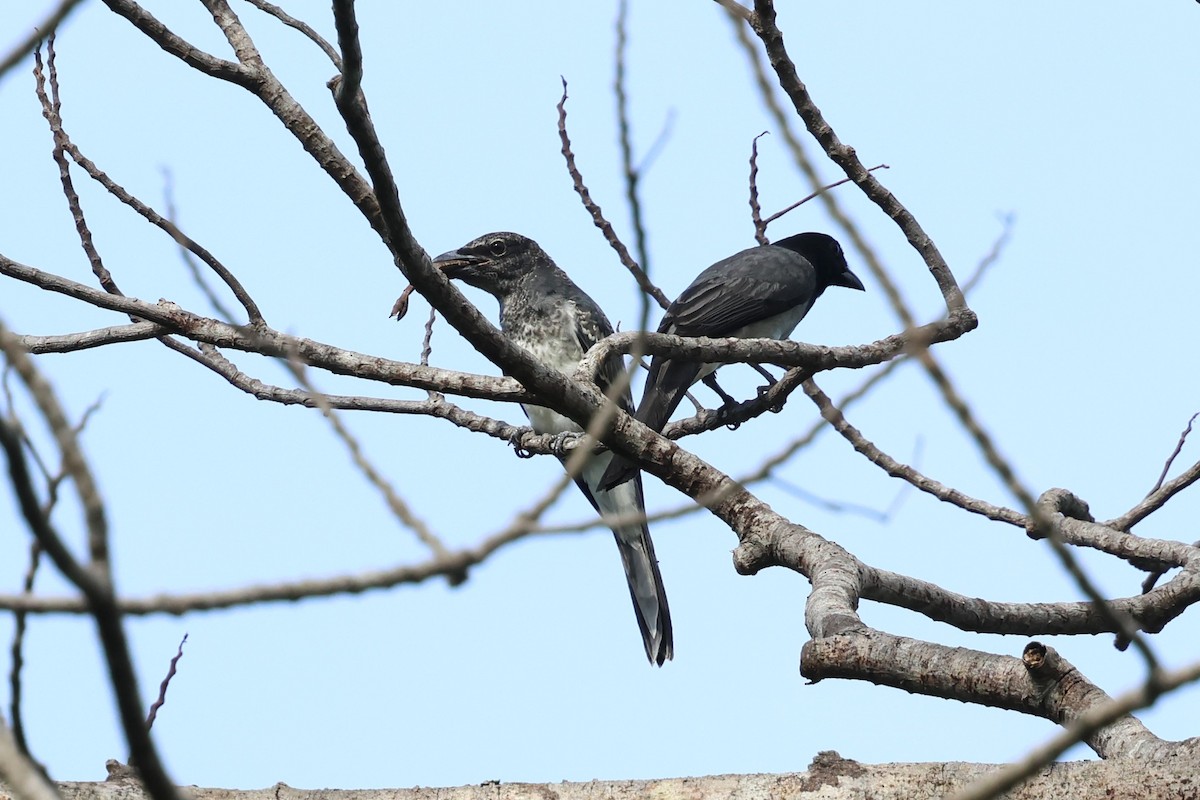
(699, 406)
(727, 401)
(771, 381)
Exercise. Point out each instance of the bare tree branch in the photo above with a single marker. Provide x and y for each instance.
(632, 176)
(822, 190)
(19, 774)
(898, 470)
(842, 645)
(272, 343)
(1080, 728)
(166, 682)
(396, 504)
(17, 653)
(760, 227)
(844, 156)
(1157, 499)
(303, 27)
(643, 280)
(1174, 454)
(47, 27)
(95, 580)
(84, 340)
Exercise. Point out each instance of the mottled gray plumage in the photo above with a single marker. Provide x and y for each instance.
(762, 292)
(543, 311)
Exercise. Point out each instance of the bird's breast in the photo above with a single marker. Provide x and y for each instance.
(548, 333)
(543, 420)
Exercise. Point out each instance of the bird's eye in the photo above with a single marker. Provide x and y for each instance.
(497, 247)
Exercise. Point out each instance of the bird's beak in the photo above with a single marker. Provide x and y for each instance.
(456, 263)
(850, 281)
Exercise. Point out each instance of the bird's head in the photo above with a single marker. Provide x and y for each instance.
(494, 262)
(825, 254)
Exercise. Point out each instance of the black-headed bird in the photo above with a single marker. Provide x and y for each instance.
(762, 292)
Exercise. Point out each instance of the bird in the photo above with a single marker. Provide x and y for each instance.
(761, 292)
(546, 313)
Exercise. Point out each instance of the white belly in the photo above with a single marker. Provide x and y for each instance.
(543, 420)
(562, 353)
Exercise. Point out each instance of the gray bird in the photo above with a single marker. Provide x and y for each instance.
(543, 311)
(762, 292)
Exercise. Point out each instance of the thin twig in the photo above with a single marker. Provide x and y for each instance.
(185, 242)
(21, 776)
(784, 126)
(632, 176)
(47, 27)
(303, 27)
(395, 503)
(94, 580)
(833, 506)
(738, 11)
(898, 470)
(162, 687)
(806, 198)
(35, 554)
(1174, 454)
(1156, 500)
(17, 651)
(992, 256)
(1121, 642)
(845, 156)
(51, 111)
(760, 227)
(427, 342)
(597, 215)
(186, 247)
(660, 141)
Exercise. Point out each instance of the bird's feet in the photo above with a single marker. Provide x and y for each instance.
(558, 445)
(515, 441)
(725, 412)
(728, 403)
(763, 391)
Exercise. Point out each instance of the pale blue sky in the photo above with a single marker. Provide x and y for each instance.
(1078, 118)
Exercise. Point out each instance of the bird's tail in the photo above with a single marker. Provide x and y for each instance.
(665, 388)
(619, 471)
(637, 556)
(646, 589)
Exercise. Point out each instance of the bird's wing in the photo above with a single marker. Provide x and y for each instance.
(750, 286)
(590, 327)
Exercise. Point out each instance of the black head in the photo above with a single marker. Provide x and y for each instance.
(824, 253)
(494, 262)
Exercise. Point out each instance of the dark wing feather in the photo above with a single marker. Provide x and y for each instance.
(590, 327)
(750, 286)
